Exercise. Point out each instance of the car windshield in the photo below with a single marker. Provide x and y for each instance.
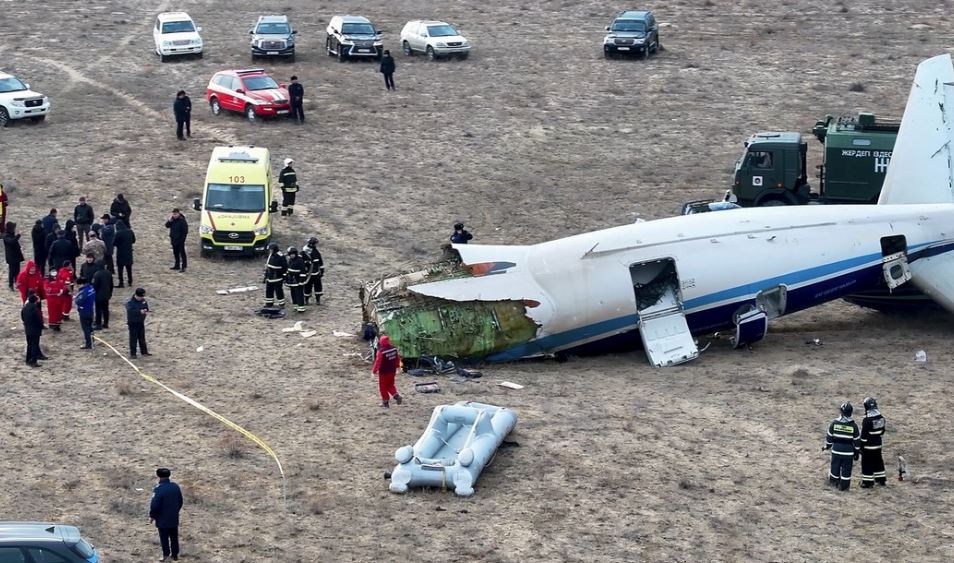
(628, 25)
(11, 85)
(272, 29)
(259, 83)
(83, 549)
(441, 31)
(357, 29)
(177, 27)
(240, 198)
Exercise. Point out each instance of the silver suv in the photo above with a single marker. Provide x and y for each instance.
(37, 541)
(353, 36)
(273, 36)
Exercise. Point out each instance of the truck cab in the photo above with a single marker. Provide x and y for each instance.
(771, 170)
(236, 201)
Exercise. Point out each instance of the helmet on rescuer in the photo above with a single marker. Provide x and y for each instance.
(273, 247)
(313, 241)
(292, 250)
(870, 403)
(847, 409)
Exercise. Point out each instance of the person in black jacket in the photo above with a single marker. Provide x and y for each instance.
(70, 233)
(121, 210)
(103, 286)
(178, 230)
(12, 252)
(182, 108)
(295, 279)
(275, 268)
(164, 511)
(50, 222)
(40, 247)
(312, 256)
(296, 93)
(289, 181)
(107, 234)
(33, 327)
(123, 242)
(387, 69)
(83, 216)
(89, 267)
(136, 311)
(844, 441)
(60, 251)
(460, 234)
(872, 432)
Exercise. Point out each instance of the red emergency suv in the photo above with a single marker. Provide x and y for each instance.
(251, 91)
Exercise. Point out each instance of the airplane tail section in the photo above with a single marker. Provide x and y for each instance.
(921, 165)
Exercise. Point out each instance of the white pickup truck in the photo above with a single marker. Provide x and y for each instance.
(17, 101)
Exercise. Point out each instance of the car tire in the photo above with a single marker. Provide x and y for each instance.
(201, 53)
(4, 117)
(328, 46)
(162, 59)
(250, 112)
(430, 54)
(406, 47)
(342, 57)
(215, 106)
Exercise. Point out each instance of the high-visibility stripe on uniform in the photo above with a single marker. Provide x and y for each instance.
(872, 447)
(835, 452)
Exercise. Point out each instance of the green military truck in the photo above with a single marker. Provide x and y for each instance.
(857, 150)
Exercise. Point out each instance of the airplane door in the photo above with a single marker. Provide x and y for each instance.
(662, 322)
(894, 260)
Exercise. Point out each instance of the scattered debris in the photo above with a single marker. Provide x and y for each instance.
(308, 333)
(815, 342)
(902, 468)
(296, 328)
(271, 312)
(236, 290)
(200, 348)
(340, 334)
(510, 385)
(427, 387)
(920, 356)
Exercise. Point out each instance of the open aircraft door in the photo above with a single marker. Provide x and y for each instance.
(662, 321)
(894, 260)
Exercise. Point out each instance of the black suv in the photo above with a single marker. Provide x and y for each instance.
(36, 542)
(632, 31)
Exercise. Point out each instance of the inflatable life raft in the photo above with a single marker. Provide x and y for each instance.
(459, 442)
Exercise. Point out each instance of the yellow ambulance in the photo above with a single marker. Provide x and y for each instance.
(237, 201)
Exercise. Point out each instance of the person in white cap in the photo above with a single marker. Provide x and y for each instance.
(289, 181)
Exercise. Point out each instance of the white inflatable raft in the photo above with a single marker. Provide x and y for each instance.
(459, 442)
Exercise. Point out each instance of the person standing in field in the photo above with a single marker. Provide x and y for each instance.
(386, 363)
(13, 253)
(33, 328)
(164, 511)
(387, 69)
(297, 94)
(136, 311)
(178, 230)
(85, 307)
(83, 217)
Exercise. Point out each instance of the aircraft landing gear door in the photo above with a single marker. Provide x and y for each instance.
(662, 322)
(894, 260)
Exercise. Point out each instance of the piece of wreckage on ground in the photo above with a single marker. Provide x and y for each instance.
(673, 278)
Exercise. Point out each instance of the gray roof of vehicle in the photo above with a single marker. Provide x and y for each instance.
(354, 19)
(633, 15)
(272, 19)
(33, 531)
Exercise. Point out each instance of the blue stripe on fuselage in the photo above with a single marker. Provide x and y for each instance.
(720, 317)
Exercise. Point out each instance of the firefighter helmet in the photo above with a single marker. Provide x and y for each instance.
(847, 409)
(870, 403)
(273, 247)
(313, 241)
(291, 250)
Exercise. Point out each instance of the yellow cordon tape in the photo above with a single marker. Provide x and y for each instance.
(261, 443)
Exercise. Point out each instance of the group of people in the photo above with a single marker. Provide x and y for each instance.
(847, 443)
(300, 271)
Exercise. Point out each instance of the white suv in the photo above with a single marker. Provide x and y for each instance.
(433, 38)
(17, 101)
(176, 34)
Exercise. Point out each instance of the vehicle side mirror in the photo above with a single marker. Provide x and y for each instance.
(196, 205)
(251, 32)
(423, 34)
(607, 28)
(27, 84)
(273, 207)
(239, 91)
(294, 32)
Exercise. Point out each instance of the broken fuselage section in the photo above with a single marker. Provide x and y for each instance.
(421, 325)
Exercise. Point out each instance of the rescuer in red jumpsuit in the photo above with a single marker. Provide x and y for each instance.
(30, 278)
(386, 364)
(55, 291)
(66, 276)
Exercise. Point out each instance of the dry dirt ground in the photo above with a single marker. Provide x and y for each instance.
(535, 137)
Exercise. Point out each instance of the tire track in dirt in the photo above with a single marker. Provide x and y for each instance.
(124, 41)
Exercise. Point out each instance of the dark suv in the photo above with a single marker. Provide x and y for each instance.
(632, 31)
(36, 542)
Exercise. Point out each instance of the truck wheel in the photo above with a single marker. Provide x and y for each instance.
(4, 117)
(772, 202)
(250, 112)
(406, 47)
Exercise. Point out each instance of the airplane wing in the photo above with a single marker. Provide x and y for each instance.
(471, 254)
(920, 169)
(935, 277)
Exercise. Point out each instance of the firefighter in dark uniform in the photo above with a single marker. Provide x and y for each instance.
(313, 287)
(289, 181)
(844, 441)
(275, 269)
(872, 429)
(295, 279)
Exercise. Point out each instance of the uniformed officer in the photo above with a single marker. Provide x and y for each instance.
(295, 279)
(844, 441)
(872, 429)
(289, 181)
(313, 286)
(275, 269)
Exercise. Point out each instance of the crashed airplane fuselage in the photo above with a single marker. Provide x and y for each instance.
(670, 279)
